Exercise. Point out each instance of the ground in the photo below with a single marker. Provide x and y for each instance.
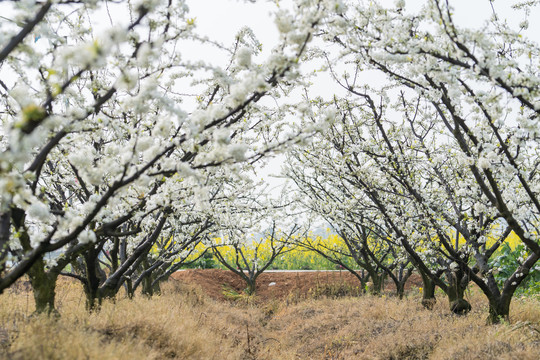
(290, 320)
(215, 283)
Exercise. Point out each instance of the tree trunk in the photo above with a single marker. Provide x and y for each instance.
(92, 281)
(456, 291)
(499, 309)
(150, 283)
(91, 292)
(377, 281)
(400, 279)
(146, 288)
(150, 286)
(400, 289)
(428, 291)
(43, 283)
(156, 287)
(130, 291)
(43, 287)
(251, 286)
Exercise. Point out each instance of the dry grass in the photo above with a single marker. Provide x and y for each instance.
(181, 324)
(387, 328)
(185, 324)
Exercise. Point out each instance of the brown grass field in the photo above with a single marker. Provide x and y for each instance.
(190, 322)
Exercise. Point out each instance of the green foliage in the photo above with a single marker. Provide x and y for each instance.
(505, 263)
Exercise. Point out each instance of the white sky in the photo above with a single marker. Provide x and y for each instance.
(222, 19)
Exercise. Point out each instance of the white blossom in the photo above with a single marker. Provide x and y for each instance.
(237, 151)
(39, 211)
(87, 236)
(243, 57)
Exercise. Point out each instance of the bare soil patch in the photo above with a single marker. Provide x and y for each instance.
(300, 284)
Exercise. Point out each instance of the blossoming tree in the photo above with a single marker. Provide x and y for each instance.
(452, 134)
(98, 129)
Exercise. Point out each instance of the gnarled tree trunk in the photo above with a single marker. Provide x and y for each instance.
(457, 283)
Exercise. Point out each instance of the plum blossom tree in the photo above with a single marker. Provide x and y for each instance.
(252, 231)
(98, 130)
(168, 255)
(458, 144)
(367, 241)
(248, 256)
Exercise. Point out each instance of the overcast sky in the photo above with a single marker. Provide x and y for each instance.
(222, 19)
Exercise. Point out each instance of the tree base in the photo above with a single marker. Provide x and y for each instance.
(429, 303)
(460, 307)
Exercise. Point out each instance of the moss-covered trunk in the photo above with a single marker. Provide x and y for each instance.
(499, 309)
(428, 291)
(43, 283)
(43, 287)
(377, 280)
